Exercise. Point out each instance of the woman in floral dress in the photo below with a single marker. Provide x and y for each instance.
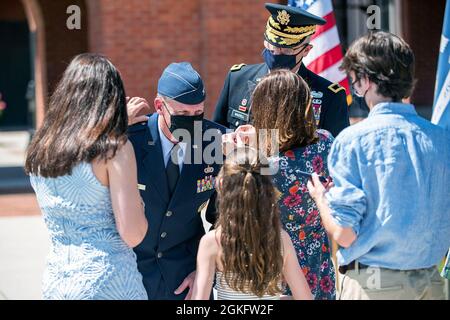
(299, 214)
(282, 101)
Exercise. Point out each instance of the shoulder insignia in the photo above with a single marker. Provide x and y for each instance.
(335, 87)
(140, 126)
(237, 67)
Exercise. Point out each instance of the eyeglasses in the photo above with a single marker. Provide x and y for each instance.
(355, 81)
(287, 51)
(353, 89)
(174, 112)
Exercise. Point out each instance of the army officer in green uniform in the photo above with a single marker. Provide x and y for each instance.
(287, 36)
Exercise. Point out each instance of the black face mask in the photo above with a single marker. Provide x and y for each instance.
(362, 97)
(183, 122)
(280, 61)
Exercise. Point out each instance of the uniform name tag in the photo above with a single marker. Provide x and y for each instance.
(317, 105)
(239, 115)
(141, 187)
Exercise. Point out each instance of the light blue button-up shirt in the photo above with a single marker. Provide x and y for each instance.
(392, 186)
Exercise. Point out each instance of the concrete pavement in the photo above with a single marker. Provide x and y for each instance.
(12, 148)
(23, 236)
(12, 159)
(24, 245)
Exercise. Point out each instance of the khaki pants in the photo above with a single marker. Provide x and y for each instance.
(383, 284)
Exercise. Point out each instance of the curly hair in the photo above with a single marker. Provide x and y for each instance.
(386, 60)
(282, 101)
(250, 225)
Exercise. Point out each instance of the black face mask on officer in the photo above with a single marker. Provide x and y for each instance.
(281, 61)
(182, 122)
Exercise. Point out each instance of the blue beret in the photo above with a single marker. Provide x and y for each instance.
(180, 82)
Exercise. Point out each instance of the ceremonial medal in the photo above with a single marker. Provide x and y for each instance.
(206, 184)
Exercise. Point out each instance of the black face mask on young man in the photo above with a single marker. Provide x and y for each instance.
(183, 122)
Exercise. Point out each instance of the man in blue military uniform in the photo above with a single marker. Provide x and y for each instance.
(175, 180)
(287, 36)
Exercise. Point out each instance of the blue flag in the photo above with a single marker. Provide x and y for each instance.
(441, 112)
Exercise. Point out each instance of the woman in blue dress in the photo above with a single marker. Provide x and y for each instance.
(282, 102)
(83, 171)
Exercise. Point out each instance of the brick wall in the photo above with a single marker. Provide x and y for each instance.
(12, 10)
(422, 27)
(61, 44)
(142, 37)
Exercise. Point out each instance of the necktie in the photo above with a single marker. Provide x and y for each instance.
(173, 169)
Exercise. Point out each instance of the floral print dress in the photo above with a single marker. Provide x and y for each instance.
(300, 216)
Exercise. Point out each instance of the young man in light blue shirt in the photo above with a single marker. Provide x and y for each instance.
(389, 208)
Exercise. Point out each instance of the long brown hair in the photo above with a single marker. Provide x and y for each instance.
(250, 225)
(282, 101)
(86, 118)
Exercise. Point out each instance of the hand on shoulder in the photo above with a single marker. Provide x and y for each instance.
(137, 109)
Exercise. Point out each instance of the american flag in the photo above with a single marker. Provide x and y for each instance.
(326, 57)
(441, 109)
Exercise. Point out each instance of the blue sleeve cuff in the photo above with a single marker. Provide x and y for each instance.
(342, 221)
(347, 207)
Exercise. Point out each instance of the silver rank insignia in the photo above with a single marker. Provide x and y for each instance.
(209, 169)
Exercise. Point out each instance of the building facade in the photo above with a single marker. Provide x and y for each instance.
(141, 37)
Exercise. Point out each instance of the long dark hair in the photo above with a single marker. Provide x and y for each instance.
(86, 118)
(282, 101)
(250, 225)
